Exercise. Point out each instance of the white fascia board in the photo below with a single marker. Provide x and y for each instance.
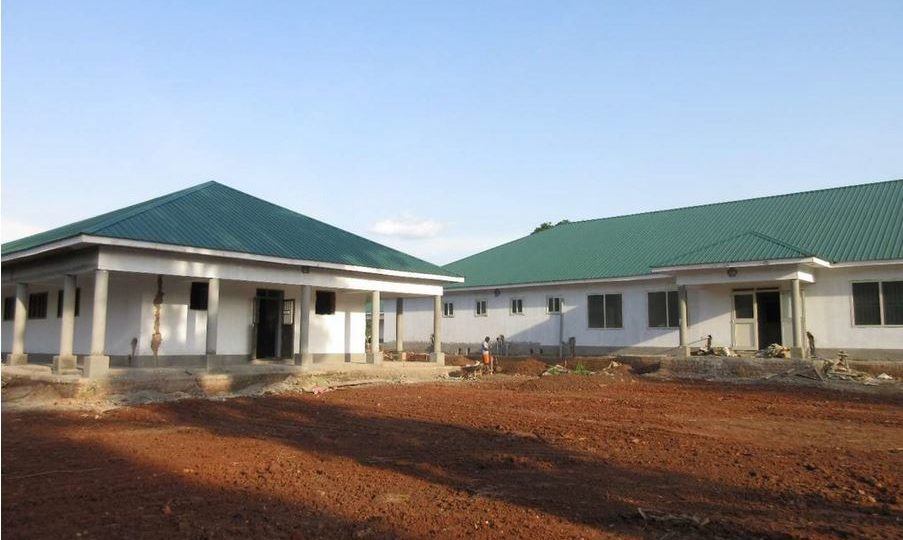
(138, 244)
(851, 264)
(539, 284)
(811, 261)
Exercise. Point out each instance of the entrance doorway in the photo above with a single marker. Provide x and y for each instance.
(756, 319)
(768, 309)
(268, 315)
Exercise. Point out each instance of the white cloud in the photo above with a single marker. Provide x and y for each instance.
(13, 230)
(408, 227)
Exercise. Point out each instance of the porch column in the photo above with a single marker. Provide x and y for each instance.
(399, 328)
(17, 354)
(65, 360)
(97, 364)
(212, 320)
(305, 358)
(684, 350)
(796, 306)
(437, 355)
(374, 356)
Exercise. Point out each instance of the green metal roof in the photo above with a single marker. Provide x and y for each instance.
(853, 223)
(214, 216)
(748, 246)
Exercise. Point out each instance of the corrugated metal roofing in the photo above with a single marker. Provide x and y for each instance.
(748, 246)
(853, 223)
(214, 216)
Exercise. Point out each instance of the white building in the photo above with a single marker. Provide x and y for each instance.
(207, 276)
(748, 273)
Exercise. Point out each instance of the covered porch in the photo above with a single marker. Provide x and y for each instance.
(88, 312)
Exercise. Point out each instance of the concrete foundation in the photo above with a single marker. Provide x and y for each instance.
(437, 358)
(16, 359)
(375, 358)
(96, 367)
(64, 363)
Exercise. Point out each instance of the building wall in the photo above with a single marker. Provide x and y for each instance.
(829, 310)
(130, 317)
(827, 314)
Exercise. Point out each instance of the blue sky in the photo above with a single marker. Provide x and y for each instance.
(444, 128)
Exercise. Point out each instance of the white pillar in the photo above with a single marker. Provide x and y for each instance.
(399, 328)
(796, 306)
(212, 320)
(684, 350)
(437, 355)
(17, 354)
(65, 360)
(305, 358)
(374, 356)
(98, 363)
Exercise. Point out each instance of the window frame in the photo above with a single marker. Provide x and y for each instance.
(560, 299)
(448, 309)
(605, 296)
(477, 303)
(881, 314)
(520, 301)
(330, 309)
(9, 308)
(28, 315)
(668, 325)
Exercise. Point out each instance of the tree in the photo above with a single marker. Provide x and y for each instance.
(548, 225)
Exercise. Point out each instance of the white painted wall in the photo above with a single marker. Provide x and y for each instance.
(829, 309)
(828, 314)
(130, 315)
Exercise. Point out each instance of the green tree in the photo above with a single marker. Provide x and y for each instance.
(548, 225)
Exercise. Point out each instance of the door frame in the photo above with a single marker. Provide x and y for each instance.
(755, 318)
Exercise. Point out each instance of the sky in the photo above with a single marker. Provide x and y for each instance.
(444, 128)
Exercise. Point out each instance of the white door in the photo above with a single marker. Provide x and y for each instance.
(743, 321)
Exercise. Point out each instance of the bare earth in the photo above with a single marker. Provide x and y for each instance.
(569, 456)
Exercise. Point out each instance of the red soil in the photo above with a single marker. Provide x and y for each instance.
(492, 458)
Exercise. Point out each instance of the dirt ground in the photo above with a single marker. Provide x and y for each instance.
(569, 456)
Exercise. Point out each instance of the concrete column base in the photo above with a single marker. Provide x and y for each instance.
(96, 367)
(375, 358)
(64, 363)
(305, 360)
(16, 359)
(797, 352)
(438, 358)
(683, 352)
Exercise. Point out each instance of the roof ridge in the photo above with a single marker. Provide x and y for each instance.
(142, 207)
(726, 239)
(704, 205)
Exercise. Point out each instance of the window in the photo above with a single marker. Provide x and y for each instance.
(604, 311)
(199, 293)
(9, 308)
(664, 309)
(517, 306)
(878, 303)
(554, 304)
(37, 306)
(481, 308)
(288, 312)
(448, 309)
(325, 303)
(743, 306)
(59, 302)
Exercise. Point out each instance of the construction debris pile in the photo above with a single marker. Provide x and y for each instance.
(709, 350)
(774, 351)
(558, 369)
(838, 370)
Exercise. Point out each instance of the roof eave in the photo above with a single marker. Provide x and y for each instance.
(809, 261)
(85, 239)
